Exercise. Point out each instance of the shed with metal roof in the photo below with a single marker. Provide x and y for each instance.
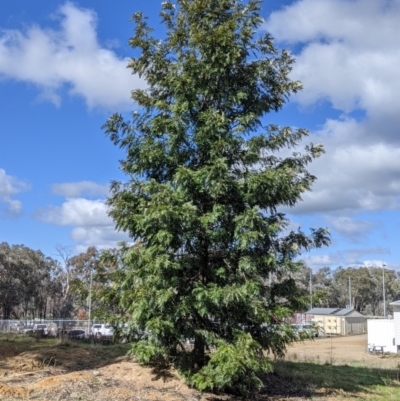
(337, 321)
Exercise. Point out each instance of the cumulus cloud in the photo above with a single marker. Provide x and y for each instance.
(348, 53)
(10, 186)
(70, 55)
(355, 174)
(77, 212)
(91, 225)
(77, 189)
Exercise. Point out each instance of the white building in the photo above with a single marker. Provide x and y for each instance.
(386, 332)
(381, 333)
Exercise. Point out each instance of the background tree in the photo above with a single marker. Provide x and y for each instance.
(331, 288)
(101, 266)
(83, 266)
(366, 288)
(321, 282)
(25, 282)
(9, 282)
(64, 306)
(206, 181)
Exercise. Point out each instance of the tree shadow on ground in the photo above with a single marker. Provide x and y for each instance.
(162, 371)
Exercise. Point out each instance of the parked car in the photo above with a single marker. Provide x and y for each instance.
(102, 330)
(26, 330)
(77, 334)
(15, 327)
(40, 328)
(307, 329)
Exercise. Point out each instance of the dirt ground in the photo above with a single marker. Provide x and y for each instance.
(51, 371)
(341, 350)
(70, 372)
(67, 371)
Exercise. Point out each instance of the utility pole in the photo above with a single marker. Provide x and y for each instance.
(350, 291)
(383, 289)
(311, 289)
(90, 301)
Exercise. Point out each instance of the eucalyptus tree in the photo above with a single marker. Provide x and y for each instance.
(25, 281)
(366, 288)
(208, 178)
(9, 282)
(91, 272)
(83, 266)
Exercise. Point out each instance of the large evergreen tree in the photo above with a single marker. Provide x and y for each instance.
(207, 177)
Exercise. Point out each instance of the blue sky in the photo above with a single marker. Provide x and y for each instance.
(63, 72)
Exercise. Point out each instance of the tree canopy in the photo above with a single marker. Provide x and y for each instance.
(207, 181)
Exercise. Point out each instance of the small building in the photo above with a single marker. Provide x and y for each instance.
(337, 321)
(381, 333)
(396, 319)
(385, 333)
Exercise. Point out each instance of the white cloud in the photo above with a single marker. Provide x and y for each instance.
(357, 172)
(77, 189)
(10, 186)
(350, 53)
(77, 212)
(103, 237)
(69, 56)
(316, 262)
(367, 24)
(349, 56)
(91, 225)
(350, 227)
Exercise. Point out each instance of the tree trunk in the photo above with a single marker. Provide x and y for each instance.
(199, 352)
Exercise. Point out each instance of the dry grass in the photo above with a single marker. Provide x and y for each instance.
(52, 370)
(321, 370)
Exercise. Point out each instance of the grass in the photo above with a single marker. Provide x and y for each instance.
(316, 378)
(355, 382)
(23, 343)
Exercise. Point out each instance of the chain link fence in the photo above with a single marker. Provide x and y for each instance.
(54, 328)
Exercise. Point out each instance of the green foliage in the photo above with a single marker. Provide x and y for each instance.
(27, 281)
(366, 288)
(233, 367)
(207, 182)
(147, 352)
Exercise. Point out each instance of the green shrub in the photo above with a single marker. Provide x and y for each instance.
(233, 368)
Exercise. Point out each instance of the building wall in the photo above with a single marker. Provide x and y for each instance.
(353, 325)
(342, 325)
(396, 319)
(382, 332)
(329, 325)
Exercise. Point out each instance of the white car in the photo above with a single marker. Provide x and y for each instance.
(40, 327)
(102, 330)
